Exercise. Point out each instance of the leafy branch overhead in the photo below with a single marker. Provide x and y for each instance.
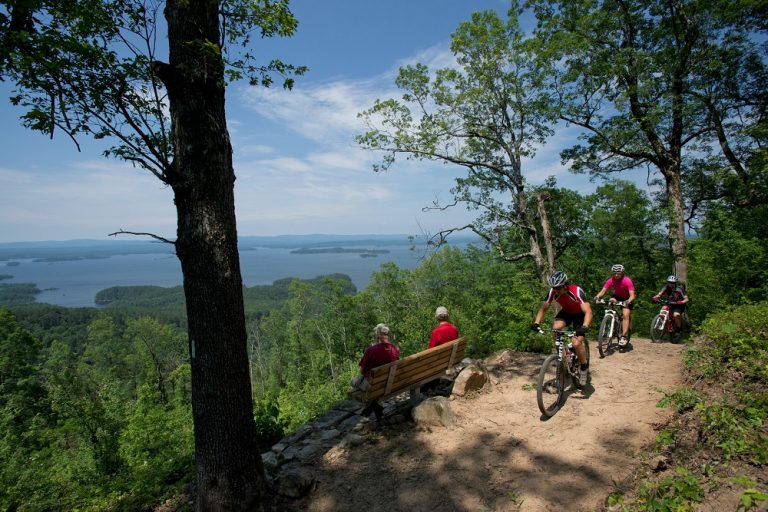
(94, 68)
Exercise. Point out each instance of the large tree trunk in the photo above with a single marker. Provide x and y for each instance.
(229, 470)
(677, 225)
(546, 230)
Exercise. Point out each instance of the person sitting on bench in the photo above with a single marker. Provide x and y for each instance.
(379, 353)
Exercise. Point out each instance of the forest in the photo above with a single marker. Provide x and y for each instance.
(98, 399)
(117, 408)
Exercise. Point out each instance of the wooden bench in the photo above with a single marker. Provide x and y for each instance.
(411, 372)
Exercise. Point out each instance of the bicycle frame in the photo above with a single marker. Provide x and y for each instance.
(560, 348)
(662, 324)
(611, 326)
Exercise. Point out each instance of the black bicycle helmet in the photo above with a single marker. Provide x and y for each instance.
(672, 279)
(557, 279)
(617, 268)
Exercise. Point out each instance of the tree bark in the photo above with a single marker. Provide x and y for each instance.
(546, 230)
(677, 225)
(230, 474)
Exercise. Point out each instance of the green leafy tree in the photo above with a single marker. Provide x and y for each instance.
(92, 68)
(632, 75)
(487, 115)
(161, 349)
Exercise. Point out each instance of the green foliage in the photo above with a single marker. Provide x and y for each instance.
(269, 425)
(751, 497)
(301, 405)
(683, 399)
(736, 430)
(719, 276)
(672, 494)
(737, 338)
(157, 445)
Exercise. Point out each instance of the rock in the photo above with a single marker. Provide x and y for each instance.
(351, 440)
(330, 419)
(294, 482)
(471, 378)
(434, 411)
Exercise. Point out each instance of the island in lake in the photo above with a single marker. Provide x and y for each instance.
(364, 253)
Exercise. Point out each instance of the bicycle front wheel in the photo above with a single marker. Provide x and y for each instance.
(606, 336)
(657, 328)
(550, 386)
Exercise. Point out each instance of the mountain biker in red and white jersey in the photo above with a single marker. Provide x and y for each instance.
(623, 291)
(574, 310)
(677, 300)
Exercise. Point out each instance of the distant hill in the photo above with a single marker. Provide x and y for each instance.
(93, 249)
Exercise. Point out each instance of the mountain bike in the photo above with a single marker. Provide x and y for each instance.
(610, 327)
(662, 325)
(557, 368)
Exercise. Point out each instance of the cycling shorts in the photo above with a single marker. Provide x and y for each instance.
(574, 319)
(622, 299)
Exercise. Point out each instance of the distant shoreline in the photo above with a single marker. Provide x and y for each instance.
(364, 253)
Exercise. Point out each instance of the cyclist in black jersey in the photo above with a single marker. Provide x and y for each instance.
(677, 300)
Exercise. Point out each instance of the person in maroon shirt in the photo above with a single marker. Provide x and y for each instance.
(445, 331)
(380, 353)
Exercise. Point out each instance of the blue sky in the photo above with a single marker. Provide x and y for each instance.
(298, 168)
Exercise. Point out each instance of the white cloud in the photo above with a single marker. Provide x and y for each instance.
(83, 199)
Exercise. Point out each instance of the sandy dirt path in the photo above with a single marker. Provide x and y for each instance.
(502, 455)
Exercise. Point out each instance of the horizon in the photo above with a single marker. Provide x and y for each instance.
(298, 168)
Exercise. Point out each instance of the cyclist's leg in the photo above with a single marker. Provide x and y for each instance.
(676, 320)
(578, 341)
(625, 324)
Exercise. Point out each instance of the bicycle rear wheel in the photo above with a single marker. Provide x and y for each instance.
(658, 329)
(606, 336)
(550, 386)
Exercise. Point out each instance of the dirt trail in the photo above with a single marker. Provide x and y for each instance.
(502, 455)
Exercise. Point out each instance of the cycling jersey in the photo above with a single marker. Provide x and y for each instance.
(570, 300)
(674, 294)
(621, 287)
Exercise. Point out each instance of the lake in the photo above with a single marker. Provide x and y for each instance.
(74, 283)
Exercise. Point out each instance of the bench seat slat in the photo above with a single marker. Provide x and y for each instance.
(415, 370)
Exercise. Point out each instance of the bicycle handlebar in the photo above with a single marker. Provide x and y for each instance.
(609, 301)
(569, 334)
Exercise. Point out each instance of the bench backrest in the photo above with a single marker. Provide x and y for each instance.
(416, 369)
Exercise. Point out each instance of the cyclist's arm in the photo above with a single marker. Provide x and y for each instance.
(603, 289)
(631, 297)
(540, 313)
(587, 309)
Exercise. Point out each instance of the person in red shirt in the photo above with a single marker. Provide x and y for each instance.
(574, 310)
(380, 353)
(445, 330)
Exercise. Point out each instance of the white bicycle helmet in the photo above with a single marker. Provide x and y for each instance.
(617, 268)
(672, 279)
(557, 279)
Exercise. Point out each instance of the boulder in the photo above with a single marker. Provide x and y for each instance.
(294, 482)
(434, 411)
(471, 378)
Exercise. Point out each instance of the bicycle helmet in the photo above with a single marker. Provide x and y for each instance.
(672, 279)
(617, 268)
(557, 279)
